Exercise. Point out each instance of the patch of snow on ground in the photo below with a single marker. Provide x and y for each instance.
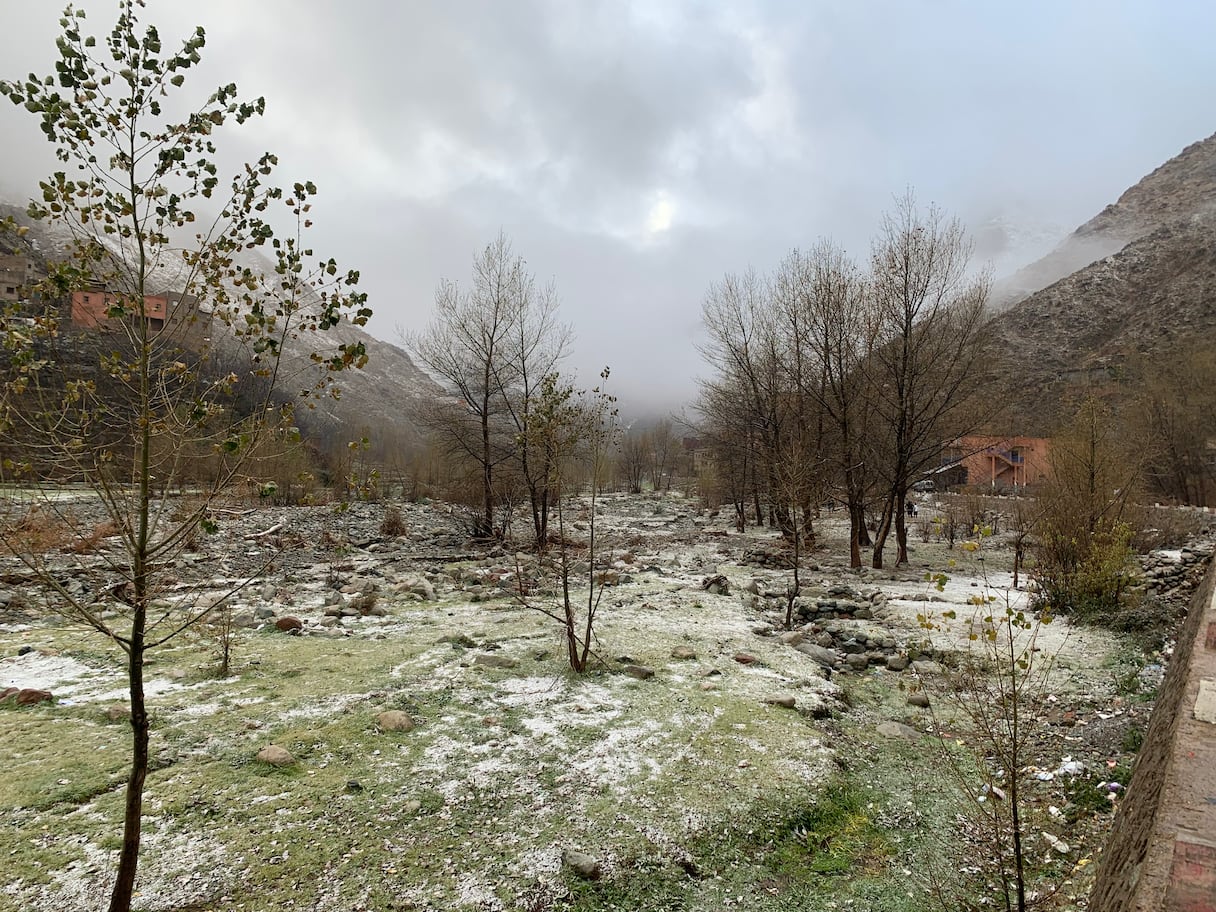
(59, 674)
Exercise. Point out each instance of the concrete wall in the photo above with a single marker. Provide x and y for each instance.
(1161, 854)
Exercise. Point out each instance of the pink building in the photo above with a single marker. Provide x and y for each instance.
(1001, 463)
(90, 307)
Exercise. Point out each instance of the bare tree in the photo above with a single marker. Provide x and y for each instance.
(153, 408)
(931, 337)
(840, 328)
(489, 346)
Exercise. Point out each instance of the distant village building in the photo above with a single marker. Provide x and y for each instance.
(18, 273)
(997, 463)
(90, 308)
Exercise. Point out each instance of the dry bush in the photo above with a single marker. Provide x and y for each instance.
(1165, 527)
(393, 523)
(88, 542)
(39, 531)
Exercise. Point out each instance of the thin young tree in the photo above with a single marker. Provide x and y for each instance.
(138, 184)
(575, 432)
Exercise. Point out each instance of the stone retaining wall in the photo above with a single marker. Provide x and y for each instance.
(1161, 854)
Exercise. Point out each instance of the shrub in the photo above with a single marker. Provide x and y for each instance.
(393, 523)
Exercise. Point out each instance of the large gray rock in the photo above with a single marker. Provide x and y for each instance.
(395, 720)
(275, 755)
(898, 730)
(490, 660)
(825, 657)
(582, 864)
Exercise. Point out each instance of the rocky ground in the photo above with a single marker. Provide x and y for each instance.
(399, 731)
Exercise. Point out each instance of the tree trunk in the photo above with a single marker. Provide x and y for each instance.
(880, 537)
(901, 533)
(128, 859)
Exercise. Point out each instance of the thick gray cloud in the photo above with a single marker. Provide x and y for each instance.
(636, 151)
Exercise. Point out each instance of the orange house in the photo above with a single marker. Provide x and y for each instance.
(90, 308)
(1001, 463)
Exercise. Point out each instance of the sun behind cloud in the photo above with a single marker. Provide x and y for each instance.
(658, 219)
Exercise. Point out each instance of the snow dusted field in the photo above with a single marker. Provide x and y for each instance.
(512, 762)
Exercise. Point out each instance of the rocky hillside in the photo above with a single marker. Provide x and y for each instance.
(376, 402)
(1152, 291)
(1183, 187)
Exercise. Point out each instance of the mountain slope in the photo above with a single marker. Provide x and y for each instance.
(377, 401)
(1153, 297)
(1183, 187)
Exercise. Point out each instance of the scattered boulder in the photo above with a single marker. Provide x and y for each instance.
(897, 662)
(745, 658)
(825, 657)
(421, 587)
(716, 584)
(395, 720)
(490, 660)
(926, 667)
(791, 637)
(641, 672)
(858, 661)
(289, 623)
(684, 653)
(919, 699)
(25, 696)
(116, 712)
(582, 864)
(898, 730)
(274, 755)
(785, 701)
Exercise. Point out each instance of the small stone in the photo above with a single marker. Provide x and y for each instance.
(263, 613)
(926, 667)
(744, 658)
(897, 662)
(354, 785)
(791, 637)
(494, 661)
(785, 701)
(858, 661)
(581, 864)
(395, 720)
(918, 698)
(708, 686)
(826, 640)
(641, 672)
(267, 593)
(413, 806)
(116, 712)
(287, 623)
(275, 755)
(683, 653)
(24, 650)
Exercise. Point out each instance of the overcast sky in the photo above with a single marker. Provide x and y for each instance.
(634, 152)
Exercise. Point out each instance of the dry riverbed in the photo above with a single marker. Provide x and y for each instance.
(715, 761)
